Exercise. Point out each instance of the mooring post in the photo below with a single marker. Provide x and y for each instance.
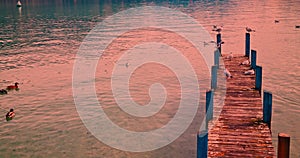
(214, 71)
(209, 105)
(283, 150)
(258, 78)
(217, 58)
(253, 59)
(267, 108)
(219, 43)
(202, 144)
(247, 45)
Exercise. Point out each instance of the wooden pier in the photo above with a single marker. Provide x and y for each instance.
(239, 130)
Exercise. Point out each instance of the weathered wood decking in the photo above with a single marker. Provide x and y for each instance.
(239, 131)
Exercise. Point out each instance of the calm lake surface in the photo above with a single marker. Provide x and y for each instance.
(39, 41)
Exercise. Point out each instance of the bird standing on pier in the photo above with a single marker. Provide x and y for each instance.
(246, 62)
(248, 29)
(227, 74)
(249, 72)
(230, 56)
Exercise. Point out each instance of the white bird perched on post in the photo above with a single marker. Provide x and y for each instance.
(217, 29)
(248, 29)
(249, 72)
(227, 74)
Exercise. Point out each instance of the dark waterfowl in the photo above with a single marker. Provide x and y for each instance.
(12, 87)
(10, 115)
(3, 91)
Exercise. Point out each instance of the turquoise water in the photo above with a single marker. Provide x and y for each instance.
(38, 43)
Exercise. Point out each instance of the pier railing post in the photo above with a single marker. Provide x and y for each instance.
(209, 105)
(267, 108)
(214, 73)
(247, 45)
(258, 78)
(219, 44)
(217, 58)
(202, 144)
(283, 150)
(253, 59)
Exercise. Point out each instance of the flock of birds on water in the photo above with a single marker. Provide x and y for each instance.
(10, 114)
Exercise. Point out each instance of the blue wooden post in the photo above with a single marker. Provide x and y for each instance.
(202, 144)
(247, 45)
(219, 42)
(214, 71)
(258, 78)
(267, 108)
(217, 58)
(253, 59)
(209, 105)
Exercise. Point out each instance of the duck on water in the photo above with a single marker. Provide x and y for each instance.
(3, 91)
(13, 87)
(10, 115)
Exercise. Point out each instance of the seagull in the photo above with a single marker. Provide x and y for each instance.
(227, 74)
(246, 62)
(217, 29)
(214, 27)
(249, 72)
(248, 29)
(230, 56)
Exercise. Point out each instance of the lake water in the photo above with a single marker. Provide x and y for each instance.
(39, 41)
